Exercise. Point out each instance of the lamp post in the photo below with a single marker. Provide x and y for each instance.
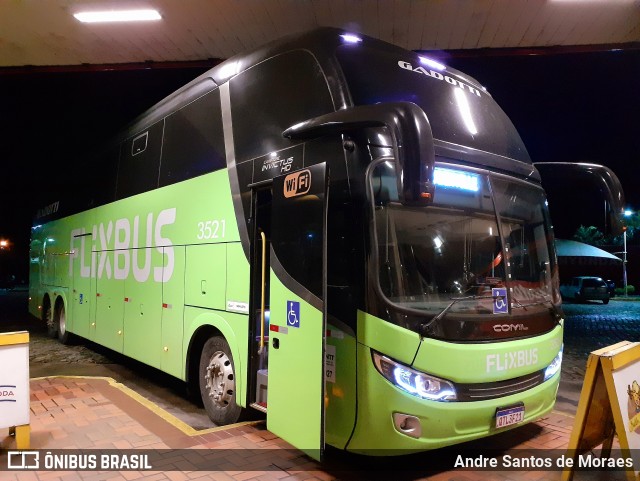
(624, 262)
(627, 213)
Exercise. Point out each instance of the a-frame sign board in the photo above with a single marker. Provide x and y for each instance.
(609, 404)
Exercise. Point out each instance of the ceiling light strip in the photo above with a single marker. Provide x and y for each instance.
(118, 16)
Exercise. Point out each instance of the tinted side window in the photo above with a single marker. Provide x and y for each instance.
(297, 230)
(104, 177)
(139, 162)
(98, 185)
(193, 140)
(272, 96)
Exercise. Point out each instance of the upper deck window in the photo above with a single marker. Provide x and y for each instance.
(273, 95)
(139, 144)
(193, 140)
(139, 162)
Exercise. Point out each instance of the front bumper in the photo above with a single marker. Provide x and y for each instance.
(441, 423)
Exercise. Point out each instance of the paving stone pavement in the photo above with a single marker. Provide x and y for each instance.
(592, 325)
(84, 413)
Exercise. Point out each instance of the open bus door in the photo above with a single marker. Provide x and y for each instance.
(297, 325)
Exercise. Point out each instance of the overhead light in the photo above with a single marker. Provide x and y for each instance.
(429, 62)
(118, 16)
(350, 38)
(229, 69)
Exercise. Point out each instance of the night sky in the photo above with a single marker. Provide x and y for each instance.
(567, 107)
(50, 123)
(571, 107)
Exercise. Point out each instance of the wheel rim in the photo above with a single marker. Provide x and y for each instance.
(219, 379)
(62, 322)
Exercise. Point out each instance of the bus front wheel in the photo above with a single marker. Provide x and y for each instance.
(47, 317)
(217, 382)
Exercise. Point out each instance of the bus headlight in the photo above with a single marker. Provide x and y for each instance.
(414, 382)
(555, 366)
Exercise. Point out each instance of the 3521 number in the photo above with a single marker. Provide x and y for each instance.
(211, 229)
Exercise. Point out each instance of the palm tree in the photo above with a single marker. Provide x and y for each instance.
(589, 235)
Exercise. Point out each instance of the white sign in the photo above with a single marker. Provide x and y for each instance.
(330, 363)
(626, 380)
(14, 382)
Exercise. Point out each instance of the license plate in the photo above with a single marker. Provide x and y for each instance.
(509, 416)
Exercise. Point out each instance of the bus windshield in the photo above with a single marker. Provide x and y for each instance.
(451, 254)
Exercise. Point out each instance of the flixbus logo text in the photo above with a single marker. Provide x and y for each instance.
(111, 245)
(512, 360)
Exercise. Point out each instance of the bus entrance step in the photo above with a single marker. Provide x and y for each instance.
(259, 406)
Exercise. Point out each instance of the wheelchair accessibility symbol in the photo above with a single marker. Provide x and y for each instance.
(500, 303)
(293, 314)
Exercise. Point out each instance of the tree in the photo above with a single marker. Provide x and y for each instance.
(633, 231)
(589, 235)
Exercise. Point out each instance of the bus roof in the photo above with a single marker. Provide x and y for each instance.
(363, 70)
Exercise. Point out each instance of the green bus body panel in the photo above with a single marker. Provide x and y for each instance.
(237, 290)
(110, 314)
(206, 276)
(298, 324)
(340, 387)
(394, 341)
(122, 269)
(487, 362)
(81, 311)
(444, 423)
(172, 326)
(296, 366)
(140, 309)
(460, 362)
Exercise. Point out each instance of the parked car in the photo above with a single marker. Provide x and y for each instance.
(612, 287)
(586, 288)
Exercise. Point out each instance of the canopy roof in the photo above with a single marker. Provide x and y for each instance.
(569, 248)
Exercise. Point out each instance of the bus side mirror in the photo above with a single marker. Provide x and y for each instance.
(601, 177)
(410, 132)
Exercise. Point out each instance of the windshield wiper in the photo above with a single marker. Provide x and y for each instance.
(517, 303)
(557, 312)
(424, 326)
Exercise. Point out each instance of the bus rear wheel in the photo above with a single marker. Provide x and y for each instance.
(217, 382)
(60, 321)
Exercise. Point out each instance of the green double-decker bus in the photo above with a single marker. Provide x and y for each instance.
(343, 234)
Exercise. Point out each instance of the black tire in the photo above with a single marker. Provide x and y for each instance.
(605, 301)
(47, 317)
(60, 322)
(216, 377)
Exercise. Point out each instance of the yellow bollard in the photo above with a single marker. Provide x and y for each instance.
(23, 436)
